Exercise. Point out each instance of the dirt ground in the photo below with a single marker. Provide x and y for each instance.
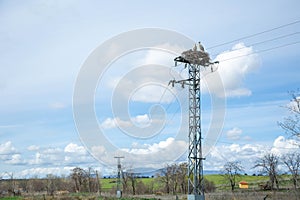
(253, 195)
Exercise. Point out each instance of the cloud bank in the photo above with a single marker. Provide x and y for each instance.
(233, 68)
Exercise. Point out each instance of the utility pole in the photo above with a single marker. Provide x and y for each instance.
(119, 191)
(195, 60)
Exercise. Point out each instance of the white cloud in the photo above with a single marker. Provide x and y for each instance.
(75, 154)
(147, 81)
(233, 68)
(234, 134)
(115, 122)
(98, 151)
(15, 159)
(7, 148)
(164, 54)
(33, 148)
(71, 154)
(155, 155)
(139, 120)
(53, 156)
(37, 159)
(247, 154)
(74, 148)
(282, 145)
(43, 171)
(142, 119)
(153, 148)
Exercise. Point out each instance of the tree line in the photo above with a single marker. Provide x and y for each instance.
(170, 180)
(268, 165)
(79, 180)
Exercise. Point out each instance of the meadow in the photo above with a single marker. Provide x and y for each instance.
(222, 191)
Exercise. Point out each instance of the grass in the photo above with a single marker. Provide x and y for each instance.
(109, 183)
(219, 179)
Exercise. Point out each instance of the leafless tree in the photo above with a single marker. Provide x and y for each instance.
(291, 123)
(141, 187)
(98, 183)
(36, 185)
(132, 178)
(269, 165)
(231, 171)
(90, 180)
(165, 177)
(182, 177)
(125, 182)
(129, 177)
(292, 161)
(79, 176)
(51, 186)
(174, 178)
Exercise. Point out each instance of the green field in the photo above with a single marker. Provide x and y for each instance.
(217, 179)
(109, 183)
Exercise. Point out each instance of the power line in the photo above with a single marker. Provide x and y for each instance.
(255, 34)
(257, 43)
(261, 51)
(265, 147)
(262, 42)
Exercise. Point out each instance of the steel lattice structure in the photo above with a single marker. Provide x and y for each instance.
(119, 191)
(194, 59)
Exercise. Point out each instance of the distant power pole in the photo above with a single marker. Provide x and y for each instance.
(194, 59)
(119, 191)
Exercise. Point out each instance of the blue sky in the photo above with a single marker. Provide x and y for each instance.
(44, 45)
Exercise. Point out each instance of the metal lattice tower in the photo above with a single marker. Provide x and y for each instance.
(194, 60)
(119, 191)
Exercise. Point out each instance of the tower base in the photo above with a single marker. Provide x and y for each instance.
(196, 197)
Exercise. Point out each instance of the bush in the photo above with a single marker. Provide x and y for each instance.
(209, 186)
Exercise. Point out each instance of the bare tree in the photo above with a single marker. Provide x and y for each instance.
(132, 178)
(166, 174)
(292, 161)
(51, 187)
(129, 176)
(174, 178)
(79, 177)
(36, 185)
(98, 183)
(291, 123)
(231, 171)
(182, 177)
(89, 175)
(125, 182)
(11, 188)
(269, 165)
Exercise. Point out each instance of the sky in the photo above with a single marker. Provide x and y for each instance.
(82, 82)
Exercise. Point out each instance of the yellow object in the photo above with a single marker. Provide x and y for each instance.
(243, 185)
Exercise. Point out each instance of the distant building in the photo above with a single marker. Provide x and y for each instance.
(243, 185)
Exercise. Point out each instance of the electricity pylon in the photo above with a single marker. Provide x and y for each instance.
(194, 59)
